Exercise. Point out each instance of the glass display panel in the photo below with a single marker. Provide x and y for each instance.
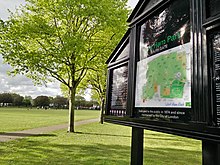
(216, 76)
(163, 76)
(124, 53)
(213, 7)
(119, 90)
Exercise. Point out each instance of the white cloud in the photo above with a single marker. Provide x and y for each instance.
(132, 3)
(9, 4)
(52, 89)
(23, 85)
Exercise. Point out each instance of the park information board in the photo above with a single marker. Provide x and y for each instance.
(163, 76)
(170, 79)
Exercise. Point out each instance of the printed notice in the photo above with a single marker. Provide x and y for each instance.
(119, 88)
(216, 78)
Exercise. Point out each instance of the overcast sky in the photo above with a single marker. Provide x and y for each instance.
(20, 84)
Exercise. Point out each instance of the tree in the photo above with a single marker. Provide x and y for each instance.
(6, 98)
(60, 102)
(42, 101)
(27, 101)
(97, 81)
(17, 99)
(80, 101)
(61, 40)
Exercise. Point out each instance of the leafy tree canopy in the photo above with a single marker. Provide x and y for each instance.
(62, 38)
(42, 101)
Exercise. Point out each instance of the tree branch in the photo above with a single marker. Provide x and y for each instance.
(59, 35)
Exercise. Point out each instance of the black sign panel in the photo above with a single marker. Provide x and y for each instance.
(213, 7)
(163, 77)
(216, 76)
(119, 91)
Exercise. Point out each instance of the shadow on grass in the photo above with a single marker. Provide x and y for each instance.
(19, 134)
(44, 153)
(101, 134)
(171, 156)
(166, 149)
(36, 152)
(162, 137)
(98, 148)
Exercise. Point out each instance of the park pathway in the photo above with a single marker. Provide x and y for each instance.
(4, 137)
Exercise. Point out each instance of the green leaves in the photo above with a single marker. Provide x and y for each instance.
(61, 39)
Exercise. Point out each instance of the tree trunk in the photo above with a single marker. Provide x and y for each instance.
(72, 93)
(102, 111)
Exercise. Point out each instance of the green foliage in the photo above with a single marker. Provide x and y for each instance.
(11, 99)
(60, 102)
(80, 98)
(6, 98)
(61, 39)
(27, 102)
(17, 99)
(42, 101)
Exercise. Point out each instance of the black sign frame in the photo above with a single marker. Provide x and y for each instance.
(201, 124)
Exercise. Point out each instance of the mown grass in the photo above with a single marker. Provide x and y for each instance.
(166, 149)
(93, 144)
(96, 144)
(13, 119)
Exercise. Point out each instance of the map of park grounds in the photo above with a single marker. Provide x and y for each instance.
(163, 80)
(166, 76)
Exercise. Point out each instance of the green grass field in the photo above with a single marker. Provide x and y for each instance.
(92, 144)
(96, 144)
(13, 119)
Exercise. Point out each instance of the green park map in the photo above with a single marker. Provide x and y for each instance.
(164, 79)
(166, 75)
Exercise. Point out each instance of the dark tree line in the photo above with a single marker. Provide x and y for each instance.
(13, 99)
(58, 102)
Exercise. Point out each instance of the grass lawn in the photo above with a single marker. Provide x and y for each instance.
(13, 119)
(96, 144)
